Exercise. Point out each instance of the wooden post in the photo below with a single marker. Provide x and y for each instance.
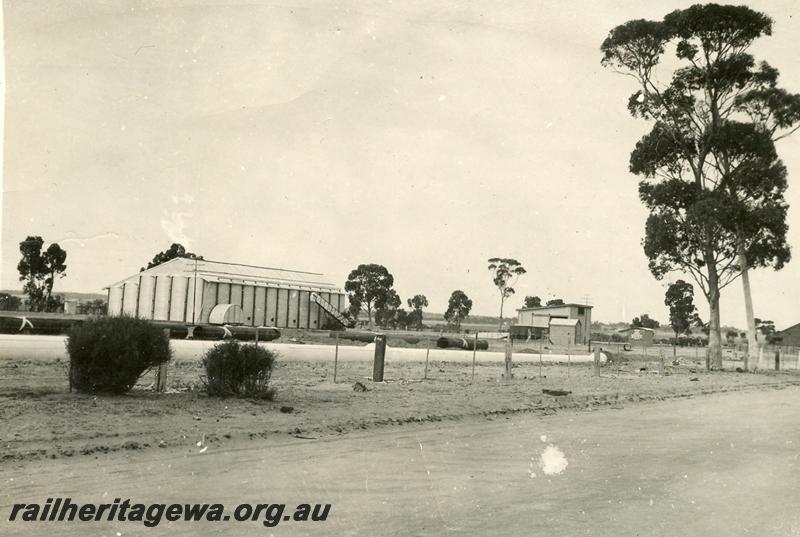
(161, 372)
(661, 362)
(336, 358)
(256, 336)
(597, 361)
(569, 353)
(540, 357)
(509, 352)
(427, 354)
(380, 355)
(474, 355)
(778, 359)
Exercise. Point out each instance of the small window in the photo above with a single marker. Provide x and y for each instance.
(580, 311)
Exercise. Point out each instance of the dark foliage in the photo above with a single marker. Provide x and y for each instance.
(233, 369)
(458, 308)
(93, 307)
(109, 354)
(370, 286)
(39, 271)
(174, 251)
(9, 302)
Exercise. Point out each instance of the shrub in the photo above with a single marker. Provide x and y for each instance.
(235, 369)
(109, 354)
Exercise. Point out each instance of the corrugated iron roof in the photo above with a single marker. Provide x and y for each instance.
(555, 306)
(220, 271)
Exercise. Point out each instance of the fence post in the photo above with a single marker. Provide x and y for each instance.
(509, 352)
(596, 361)
(380, 354)
(161, 373)
(474, 355)
(427, 354)
(336, 358)
(569, 353)
(540, 356)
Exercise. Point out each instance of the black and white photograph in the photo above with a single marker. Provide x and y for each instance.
(399, 268)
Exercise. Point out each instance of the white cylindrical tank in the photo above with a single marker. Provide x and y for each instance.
(179, 295)
(131, 298)
(162, 297)
(115, 300)
(147, 296)
(226, 314)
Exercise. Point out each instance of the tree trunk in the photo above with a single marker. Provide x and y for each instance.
(502, 301)
(714, 336)
(751, 355)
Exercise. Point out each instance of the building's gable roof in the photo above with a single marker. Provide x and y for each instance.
(218, 271)
(555, 306)
(632, 328)
(789, 336)
(789, 330)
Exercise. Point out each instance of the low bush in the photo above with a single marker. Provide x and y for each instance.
(109, 354)
(240, 370)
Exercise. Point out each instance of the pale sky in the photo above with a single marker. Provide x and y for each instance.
(424, 136)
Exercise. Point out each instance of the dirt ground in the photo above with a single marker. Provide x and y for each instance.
(717, 465)
(41, 419)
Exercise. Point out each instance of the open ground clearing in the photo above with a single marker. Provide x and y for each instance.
(41, 419)
(723, 464)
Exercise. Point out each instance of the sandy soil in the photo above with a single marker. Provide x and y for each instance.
(721, 465)
(41, 419)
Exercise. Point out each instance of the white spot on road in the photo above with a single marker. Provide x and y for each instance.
(552, 460)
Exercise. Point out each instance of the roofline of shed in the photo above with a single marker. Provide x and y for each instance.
(181, 259)
(533, 308)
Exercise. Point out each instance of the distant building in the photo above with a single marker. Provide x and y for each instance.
(565, 332)
(71, 306)
(790, 337)
(536, 321)
(187, 290)
(638, 336)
